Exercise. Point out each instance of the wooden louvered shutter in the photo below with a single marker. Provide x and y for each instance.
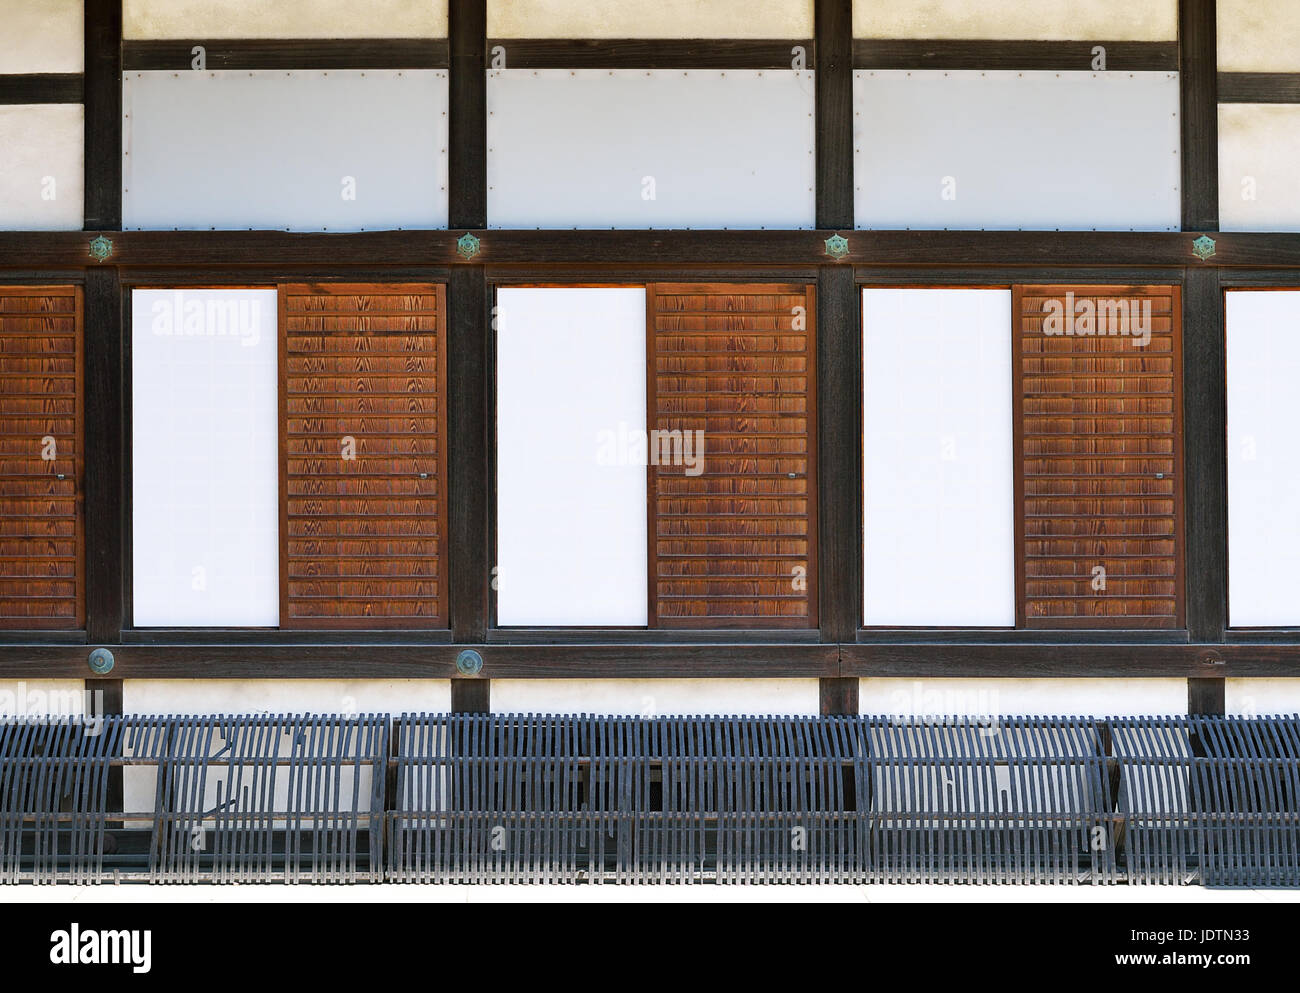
(41, 537)
(363, 487)
(1099, 456)
(735, 545)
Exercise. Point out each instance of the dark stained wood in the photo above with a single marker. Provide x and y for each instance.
(103, 121)
(467, 117)
(1206, 696)
(729, 536)
(1068, 658)
(470, 458)
(839, 479)
(288, 53)
(45, 87)
(833, 24)
(107, 505)
(335, 253)
(1259, 87)
(42, 458)
(837, 697)
(363, 438)
(648, 53)
(1097, 427)
(1199, 113)
(471, 696)
(1205, 444)
(1127, 56)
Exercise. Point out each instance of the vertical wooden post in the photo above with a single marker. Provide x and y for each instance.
(1199, 113)
(833, 24)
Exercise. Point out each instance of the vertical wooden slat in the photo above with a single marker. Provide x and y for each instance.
(363, 438)
(1098, 442)
(730, 535)
(42, 537)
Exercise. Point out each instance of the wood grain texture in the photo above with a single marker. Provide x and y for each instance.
(1259, 87)
(650, 53)
(969, 54)
(1198, 116)
(42, 532)
(363, 409)
(287, 53)
(732, 537)
(45, 87)
(1098, 444)
(833, 22)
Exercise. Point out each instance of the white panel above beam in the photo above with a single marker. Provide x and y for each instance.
(1005, 150)
(669, 148)
(1018, 20)
(336, 150)
(661, 19)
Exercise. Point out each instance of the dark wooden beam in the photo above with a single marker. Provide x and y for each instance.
(103, 121)
(1206, 697)
(1069, 659)
(45, 87)
(287, 53)
(839, 447)
(467, 117)
(833, 23)
(1060, 56)
(471, 696)
(646, 53)
(1199, 113)
(940, 250)
(275, 660)
(104, 475)
(468, 341)
(1259, 87)
(1205, 483)
(837, 697)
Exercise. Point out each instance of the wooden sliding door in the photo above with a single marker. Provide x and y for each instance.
(41, 458)
(732, 516)
(1098, 442)
(363, 481)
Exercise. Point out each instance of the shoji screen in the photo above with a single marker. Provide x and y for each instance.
(41, 458)
(571, 455)
(1098, 455)
(1005, 150)
(1263, 348)
(318, 150)
(575, 148)
(363, 497)
(937, 442)
(204, 457)
(733, 455)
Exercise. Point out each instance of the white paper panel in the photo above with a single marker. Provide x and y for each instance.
(1259, 182)
(1030, 20)
(661, 19)
(1007, 150)
(1263, 345)
(41, 36)
(1261, 697)
(205, 447)
(656, 697)
(306, 150)
(938, 501)
(152, 697)
(1259, 35)
(200, 19)
(571, 479)
(586, 148)
(40, 167)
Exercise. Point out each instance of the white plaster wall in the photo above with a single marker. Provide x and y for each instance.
(660, 19)
(41, 167)
(1262, 697)
(285, 696)
(42, 697)
(1029, 20)
(41, 36)
(1259, 35)
(200, 19)
(979, 698)
(655, 697)
(1259, 183)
